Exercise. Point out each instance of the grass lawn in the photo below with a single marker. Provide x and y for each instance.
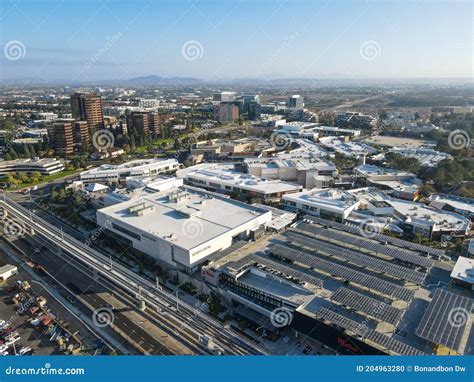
(44, 179)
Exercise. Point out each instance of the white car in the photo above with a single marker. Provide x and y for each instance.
(24, 350)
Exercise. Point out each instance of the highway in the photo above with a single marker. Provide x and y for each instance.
(188, 319)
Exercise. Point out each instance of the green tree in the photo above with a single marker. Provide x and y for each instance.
(35, 176)
(23, 177)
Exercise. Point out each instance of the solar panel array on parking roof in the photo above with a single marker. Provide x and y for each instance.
(369, 306)
(356, 258)
(380, 339)
(392, 344)
(342, 321)
(379, 237)
(446, 319)
(339, 271)
(368, 245)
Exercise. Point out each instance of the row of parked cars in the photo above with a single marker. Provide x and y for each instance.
(10, 341)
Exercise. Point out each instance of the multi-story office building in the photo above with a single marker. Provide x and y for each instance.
(295, 102)
(143, 122)
(224, 97)
(226, 112)
(45, 166)
(254, 110)
(81, 133)
(88, 107)
(63, 130)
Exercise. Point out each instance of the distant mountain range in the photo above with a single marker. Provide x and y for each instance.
(157, 80)
(154, 80)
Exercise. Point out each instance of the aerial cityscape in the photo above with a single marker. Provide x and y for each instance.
(236, 178)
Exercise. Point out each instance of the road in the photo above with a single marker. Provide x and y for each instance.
(350, 104)
(188, 319)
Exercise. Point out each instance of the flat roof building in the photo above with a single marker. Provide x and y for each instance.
(458, 204)
(331, 204)
(64, 136)
(463, 272)
(239, 185)
(310, 173)
(359, 205)
(143, 122)
(337, 131)
(45, 166)
(226, 112)
(426, 156)
(399, 184)
(182, 227)
(119, 173)
(88, 107)
(347, 148)
(297, 126)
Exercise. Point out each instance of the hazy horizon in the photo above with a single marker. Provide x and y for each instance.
(217, 41)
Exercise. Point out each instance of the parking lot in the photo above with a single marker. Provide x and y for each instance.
(33, 322)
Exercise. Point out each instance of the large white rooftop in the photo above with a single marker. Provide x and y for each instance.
(186, 217)
(456, 202)
(241, 180)
(332, 198)
(464, 270)
(300, 164)
(349, 149)
(417, 213)
(426, 156)
(308, 149)
(138, 167)
(376, 171)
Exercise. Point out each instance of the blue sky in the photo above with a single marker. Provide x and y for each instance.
(119, 39)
